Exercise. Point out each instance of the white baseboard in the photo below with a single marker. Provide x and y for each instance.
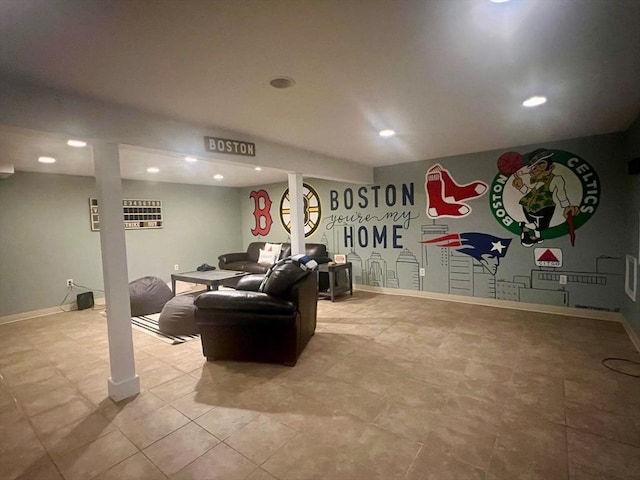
(17, 317)
(492, 302)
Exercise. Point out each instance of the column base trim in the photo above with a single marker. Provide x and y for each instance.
(124, 389)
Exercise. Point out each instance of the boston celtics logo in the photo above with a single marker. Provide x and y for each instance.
(544, 194)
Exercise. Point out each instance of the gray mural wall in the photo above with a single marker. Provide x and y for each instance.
(631, 309)
(471, 228)
(45, 237)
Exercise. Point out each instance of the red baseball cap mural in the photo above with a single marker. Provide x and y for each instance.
(543, 194)
(485, 248)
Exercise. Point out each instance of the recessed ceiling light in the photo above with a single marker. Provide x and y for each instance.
(191, 159)
(153, 169)
(534, 101)
(217, 176)
(76, 143)
(499, 1)
(282, 82)
(386, 133)
(258, 168)
(46, 160)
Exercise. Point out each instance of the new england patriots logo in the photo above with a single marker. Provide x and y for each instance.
(485, 248)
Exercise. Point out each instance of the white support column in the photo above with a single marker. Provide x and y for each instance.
(296, 196)
(123, 382)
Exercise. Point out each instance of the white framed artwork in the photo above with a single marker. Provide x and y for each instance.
(631, 277)
(340, 258)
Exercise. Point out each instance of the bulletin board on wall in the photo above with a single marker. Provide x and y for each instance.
(137, 214)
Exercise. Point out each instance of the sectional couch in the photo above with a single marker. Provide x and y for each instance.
(248, 261)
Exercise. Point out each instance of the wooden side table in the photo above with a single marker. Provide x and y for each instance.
(335, 288)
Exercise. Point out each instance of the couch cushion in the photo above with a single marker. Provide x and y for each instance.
(247, 266)
(282, 277)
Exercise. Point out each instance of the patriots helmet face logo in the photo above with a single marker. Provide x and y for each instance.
(485, 248)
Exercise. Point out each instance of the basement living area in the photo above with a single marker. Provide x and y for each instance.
(474, 312)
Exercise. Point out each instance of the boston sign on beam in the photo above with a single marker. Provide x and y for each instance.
(233, 147)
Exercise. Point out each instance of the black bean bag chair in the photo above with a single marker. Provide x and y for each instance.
(148, 295)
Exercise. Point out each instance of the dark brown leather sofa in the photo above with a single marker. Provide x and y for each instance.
(248, 261)
(272, 326)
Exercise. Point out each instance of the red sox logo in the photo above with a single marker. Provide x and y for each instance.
(261, 213)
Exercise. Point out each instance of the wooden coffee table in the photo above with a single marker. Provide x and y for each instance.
(211, 278)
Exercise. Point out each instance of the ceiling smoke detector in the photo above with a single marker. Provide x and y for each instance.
(282, 82)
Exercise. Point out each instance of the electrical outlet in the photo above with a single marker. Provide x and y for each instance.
(422, 272)
(176, 267)
(563, 279)
(69, 282)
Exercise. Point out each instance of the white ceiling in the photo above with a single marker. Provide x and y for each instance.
(21, 148)
(448, 75)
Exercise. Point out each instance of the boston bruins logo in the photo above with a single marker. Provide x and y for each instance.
(312, 210)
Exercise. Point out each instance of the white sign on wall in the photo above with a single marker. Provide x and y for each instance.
(548, 257)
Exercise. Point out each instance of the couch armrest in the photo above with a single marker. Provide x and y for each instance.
(232, 257)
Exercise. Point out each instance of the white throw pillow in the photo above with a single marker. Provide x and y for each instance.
(267, 258)
(274, 248)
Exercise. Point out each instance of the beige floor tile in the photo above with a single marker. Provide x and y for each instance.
(469, 440)
(76, 434)
(42, 469)
(10, 413)
(379, 373)
(603, 455)
(20, 449)
(413, 423)
(495, 392)
(580, 472)
(224, 421)
(199, 402)
(435, 465)
(153, 372)
(95, 457)
(488, 372)
(600, 422)
(175, 388)
(16, 435)
(136, 467)
(528, 448)
(391, 454)
(538, 396)
(130, 409)
(180, 448)
(260, 438)
(219, 463)
(344, 398)
(260, 474)
(303, 458)
(48, 422)
(48, 400)
(153, 426)
(30, 376)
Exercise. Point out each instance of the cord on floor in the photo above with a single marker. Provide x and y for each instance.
(620, 360)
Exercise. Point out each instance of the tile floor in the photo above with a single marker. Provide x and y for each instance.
(390, 387)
